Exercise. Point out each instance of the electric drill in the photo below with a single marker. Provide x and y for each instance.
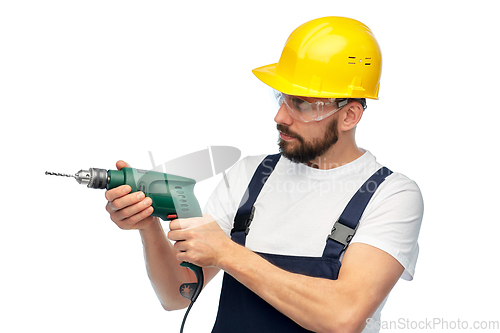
(172, 196)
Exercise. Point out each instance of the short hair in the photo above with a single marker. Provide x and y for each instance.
(361, 101)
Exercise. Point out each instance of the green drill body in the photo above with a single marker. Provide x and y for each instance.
(171, 195)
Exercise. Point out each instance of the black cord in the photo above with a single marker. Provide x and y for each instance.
(200, 280)
(185, 315)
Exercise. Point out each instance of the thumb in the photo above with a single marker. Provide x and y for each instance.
(121, 164)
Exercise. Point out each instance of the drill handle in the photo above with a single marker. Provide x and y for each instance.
(192, 290)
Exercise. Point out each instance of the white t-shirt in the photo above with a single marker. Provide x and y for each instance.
(298, 206)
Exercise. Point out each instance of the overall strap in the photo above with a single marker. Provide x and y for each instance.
(245, 212)
(344, 229)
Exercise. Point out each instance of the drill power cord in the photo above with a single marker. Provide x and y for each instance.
(185, 315)
(191, 291)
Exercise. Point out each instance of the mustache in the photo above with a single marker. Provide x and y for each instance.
(285, 130)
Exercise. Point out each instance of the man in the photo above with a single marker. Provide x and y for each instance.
(280, 274)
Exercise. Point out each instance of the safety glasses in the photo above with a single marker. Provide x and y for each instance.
(307, 109)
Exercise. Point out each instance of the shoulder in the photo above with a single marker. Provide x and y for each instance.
(397, 197)
(398, 186)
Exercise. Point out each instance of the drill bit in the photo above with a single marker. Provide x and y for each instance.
(93, 177)
(59, 174)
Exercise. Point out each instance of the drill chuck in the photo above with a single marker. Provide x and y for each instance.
(93, 178)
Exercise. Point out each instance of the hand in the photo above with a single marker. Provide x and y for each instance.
(199, 240)
(129, 210)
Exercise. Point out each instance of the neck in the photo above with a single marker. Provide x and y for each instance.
(341, 153)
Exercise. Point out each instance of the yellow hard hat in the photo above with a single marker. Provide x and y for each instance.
(335, 57)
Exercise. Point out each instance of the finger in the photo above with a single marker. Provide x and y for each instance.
(133, 209)
(121, 164)
(175, 224)
(118, 192)
(184, 224)
(181, 246)
(125, 201)
(137, 220)
(143, 223)
(177, 235)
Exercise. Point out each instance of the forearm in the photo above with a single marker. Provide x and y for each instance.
(316, 304)
(321, 305)
(163, 268)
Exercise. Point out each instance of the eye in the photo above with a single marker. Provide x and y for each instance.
(304, 106)
(300, 104)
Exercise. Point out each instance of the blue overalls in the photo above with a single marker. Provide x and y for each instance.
(240, 309)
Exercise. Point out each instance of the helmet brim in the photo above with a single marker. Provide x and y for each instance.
(267, 74)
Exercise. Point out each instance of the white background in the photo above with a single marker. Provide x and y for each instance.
(85, 83)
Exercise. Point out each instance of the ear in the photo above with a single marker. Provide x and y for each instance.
(350, 116)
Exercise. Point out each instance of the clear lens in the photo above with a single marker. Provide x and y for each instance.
(276, 97)
(306, 109)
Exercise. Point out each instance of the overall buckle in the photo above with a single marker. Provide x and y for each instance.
(342, 234)
(242, 222)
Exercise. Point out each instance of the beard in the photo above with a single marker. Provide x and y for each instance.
(307, 151)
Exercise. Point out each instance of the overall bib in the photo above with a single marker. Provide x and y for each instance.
(240, 309)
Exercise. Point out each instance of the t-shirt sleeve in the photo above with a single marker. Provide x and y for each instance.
(392, 220)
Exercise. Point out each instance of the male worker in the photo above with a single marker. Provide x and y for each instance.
(314, 238)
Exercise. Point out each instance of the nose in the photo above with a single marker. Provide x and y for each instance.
(283, 117)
